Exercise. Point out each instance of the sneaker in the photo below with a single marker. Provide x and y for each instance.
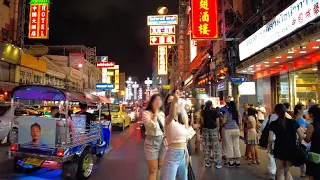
(218, 166)
(208, 165)
(229, 165)
(237, 165)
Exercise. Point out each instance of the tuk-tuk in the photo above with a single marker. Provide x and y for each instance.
(71, 140)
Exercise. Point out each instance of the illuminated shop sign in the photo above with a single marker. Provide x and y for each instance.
(104, 87)
(204, 19)
(162, 60)
(295, 16)
(163, 40)
(162, 30)
(105, 64)
(39, 19)
(162, 20)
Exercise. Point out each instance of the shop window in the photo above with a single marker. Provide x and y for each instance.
(304, 86)
(28, 78)
(47, 79)
(283, 88)
(22, 77)
(4, 72)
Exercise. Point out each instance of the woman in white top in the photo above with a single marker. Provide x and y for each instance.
(153, 119)
(175, 164)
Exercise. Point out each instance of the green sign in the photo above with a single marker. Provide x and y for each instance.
(40, 2)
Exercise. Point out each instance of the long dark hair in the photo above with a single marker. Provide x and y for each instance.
(252, 112)
(297, 108)
(167, 105)
(280, 109)
(315, 111)
(233, 110)
(149, 106)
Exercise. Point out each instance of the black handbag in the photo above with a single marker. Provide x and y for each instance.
(191, 175)
(300, 153)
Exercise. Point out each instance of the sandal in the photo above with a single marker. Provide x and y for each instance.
(252, 163)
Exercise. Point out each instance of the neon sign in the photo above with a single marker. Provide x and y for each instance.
(162, 30)
(162, 60)
(104, 86)
(162, 20)
(39, 19)
(163, 40)
(204, 19)
(105, 64)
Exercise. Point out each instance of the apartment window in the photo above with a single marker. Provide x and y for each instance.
(6, 3)
(22, 77)
(28, 78)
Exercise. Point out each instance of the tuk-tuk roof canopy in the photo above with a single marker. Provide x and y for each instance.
(49, 93)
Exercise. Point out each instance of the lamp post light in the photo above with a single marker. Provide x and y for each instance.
(135, 86)
(148, 82)
(129, 89)
(140, 94)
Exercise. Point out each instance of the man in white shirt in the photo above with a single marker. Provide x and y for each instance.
(261, 112)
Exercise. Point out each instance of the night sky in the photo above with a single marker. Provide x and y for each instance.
(118, 29)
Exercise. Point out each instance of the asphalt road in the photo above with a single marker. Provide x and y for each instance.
(126, 161)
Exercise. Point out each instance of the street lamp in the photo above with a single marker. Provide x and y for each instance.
(135, 86)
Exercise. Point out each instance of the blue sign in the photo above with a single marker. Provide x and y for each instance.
(162, 20)
(104, 86)
(238, 79)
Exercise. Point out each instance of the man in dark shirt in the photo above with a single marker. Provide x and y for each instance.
(83, 111)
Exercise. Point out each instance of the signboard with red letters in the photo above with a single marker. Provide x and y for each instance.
(162, 60)
(162, 30)
(163, 40)
(204, 19)
(105, 64)
(39, 19)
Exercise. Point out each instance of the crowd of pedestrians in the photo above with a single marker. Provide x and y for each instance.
(291, 138)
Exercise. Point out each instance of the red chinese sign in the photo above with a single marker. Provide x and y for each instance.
(105, 64)
(204, 19)
(163, 40)
(39, 21)
(162, 60)
(162, 30)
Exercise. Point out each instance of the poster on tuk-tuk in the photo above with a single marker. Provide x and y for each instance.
(79, 127)
(36, 132)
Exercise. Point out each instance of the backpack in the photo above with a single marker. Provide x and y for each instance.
(264, 139)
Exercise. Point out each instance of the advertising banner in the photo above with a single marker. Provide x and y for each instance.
(162, 60)
(36, 132)
(39, 19)
(75, 59)
(162, 20)
(162, 30)
(204, 19)
(163, 40)
(79, 126)
(33, 63)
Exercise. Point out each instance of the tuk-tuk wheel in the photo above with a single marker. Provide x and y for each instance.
(85, 165)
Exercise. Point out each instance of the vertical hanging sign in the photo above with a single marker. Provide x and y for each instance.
(162, 60)
(204, 19)
(39, 19)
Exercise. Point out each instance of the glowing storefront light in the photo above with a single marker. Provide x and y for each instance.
(163, 40)
(135, 87)
(162, 30)
(162, 20)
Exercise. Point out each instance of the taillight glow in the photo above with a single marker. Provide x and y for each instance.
(13, 147)
(60, 152)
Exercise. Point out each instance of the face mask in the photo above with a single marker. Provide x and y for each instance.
(305, 112)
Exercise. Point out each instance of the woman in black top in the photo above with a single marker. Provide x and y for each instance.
(313, 136)
(210, 135)
(285, 131)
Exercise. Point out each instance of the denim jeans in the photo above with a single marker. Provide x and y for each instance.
(174, 166)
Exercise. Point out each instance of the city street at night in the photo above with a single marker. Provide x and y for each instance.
(126, 160)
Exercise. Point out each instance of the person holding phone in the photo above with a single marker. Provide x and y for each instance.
(175, 163)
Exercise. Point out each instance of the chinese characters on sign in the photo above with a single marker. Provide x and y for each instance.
(204, 18)
(39, 21)
(162, 60)
(163, 40)
(162, 30)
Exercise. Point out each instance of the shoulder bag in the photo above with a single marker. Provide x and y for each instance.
(300, 152)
